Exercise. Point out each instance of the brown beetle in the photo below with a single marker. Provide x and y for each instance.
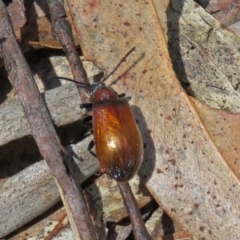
(116, 135)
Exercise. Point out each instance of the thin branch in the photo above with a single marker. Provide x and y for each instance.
(62, 102)
(61, 29)
(20, 195)
(139, 230)
(62, 32)
(43, 130)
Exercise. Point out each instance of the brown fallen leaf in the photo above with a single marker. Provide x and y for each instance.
(224, 129)
(205, 55)
(222, 126)
(206, 115)
(225, 11)
(56, 226)
(33, 191)
(184, 170)
(176, 236)
(106, 203)
(236, 28)
(105, 191)
(38, 34)
(32, 25)
(13, 123)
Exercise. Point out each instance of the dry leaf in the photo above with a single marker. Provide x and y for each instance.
(222, 126)
(176, 236)
(54, 226)
(225, 11)
(38, 34)
(15, 126)
(33, 191)
(186, 167)
(106, 200)
(190, 178)
(235, 28)
(106, 203)
(224, 130)
(35, 31)
(206, 55)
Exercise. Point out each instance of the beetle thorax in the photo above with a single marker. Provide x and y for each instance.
(104, 93)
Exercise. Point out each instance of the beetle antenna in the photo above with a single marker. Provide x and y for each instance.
(121, 61)
(83, 85)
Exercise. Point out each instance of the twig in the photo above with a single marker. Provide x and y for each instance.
(43, 130)
(62, 102)
(21, 198)
(62, 31)
(139, 230)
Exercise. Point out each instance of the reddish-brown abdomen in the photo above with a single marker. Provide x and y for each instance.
(117, 138)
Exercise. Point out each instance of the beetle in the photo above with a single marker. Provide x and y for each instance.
(118, 141)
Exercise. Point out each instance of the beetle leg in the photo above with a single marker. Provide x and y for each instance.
(90, 147)
(86, 121)
(88, 126)
(86, 105)
(75, 155)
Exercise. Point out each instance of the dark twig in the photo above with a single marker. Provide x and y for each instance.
(62, 32)
(139, 230)
(42, 129)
